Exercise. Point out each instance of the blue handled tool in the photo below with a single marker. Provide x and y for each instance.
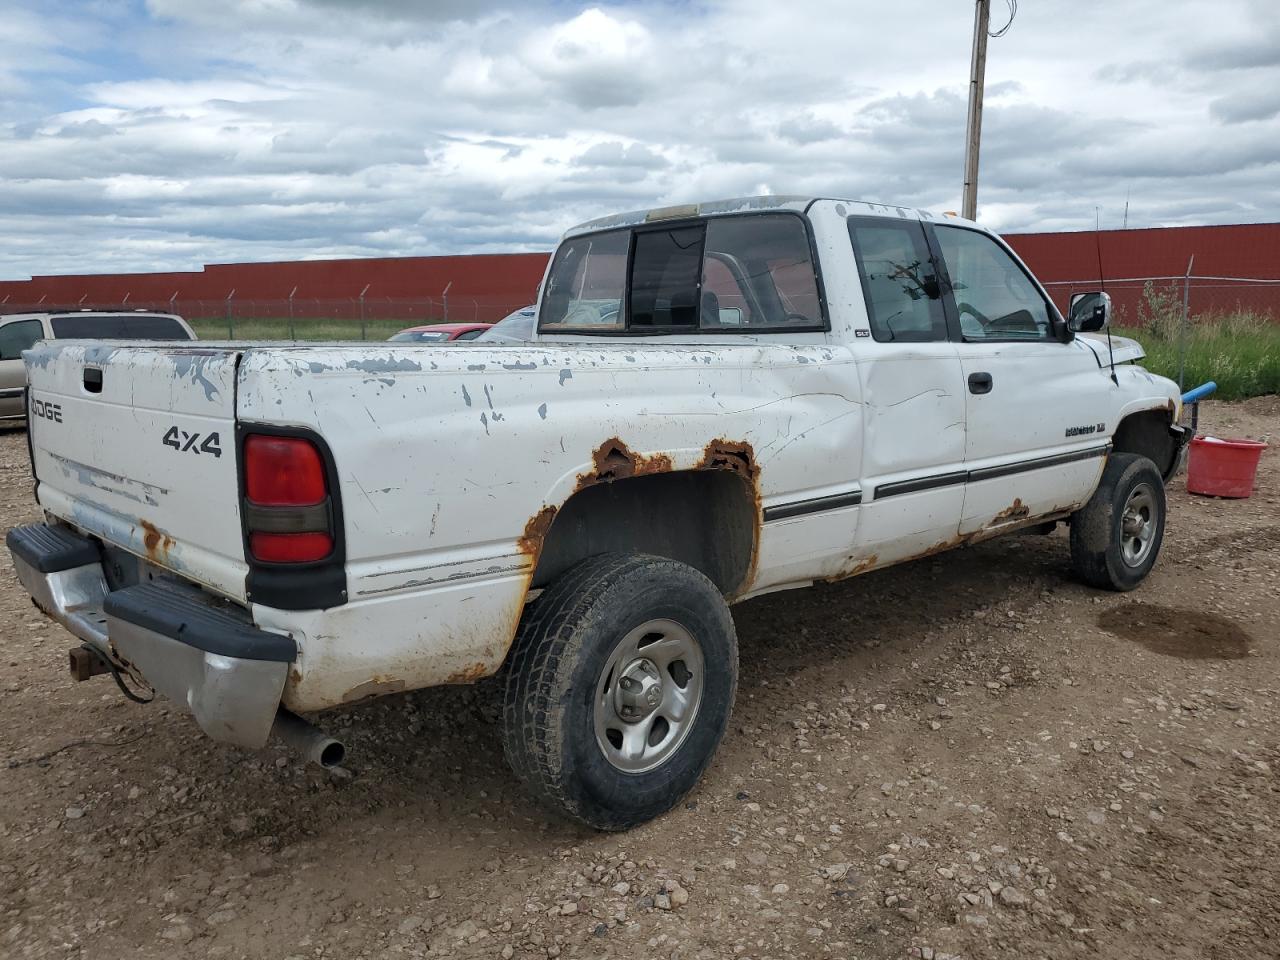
(1196, 394)
(1193, 397)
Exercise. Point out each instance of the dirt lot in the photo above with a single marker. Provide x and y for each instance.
(970, 755)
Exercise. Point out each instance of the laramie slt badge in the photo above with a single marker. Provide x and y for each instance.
(1085, 431)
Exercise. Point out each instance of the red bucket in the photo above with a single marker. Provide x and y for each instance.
(1223, 468)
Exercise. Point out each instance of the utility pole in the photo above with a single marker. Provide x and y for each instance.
(973, 127)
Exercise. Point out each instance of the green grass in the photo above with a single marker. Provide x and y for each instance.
(1238, 351)
(277, 328)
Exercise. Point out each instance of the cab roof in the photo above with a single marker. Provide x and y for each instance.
(711, 208)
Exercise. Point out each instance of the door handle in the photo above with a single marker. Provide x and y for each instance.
(979, 383)
(93, 379)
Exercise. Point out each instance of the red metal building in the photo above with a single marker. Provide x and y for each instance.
(1226, 258)
(487, 286)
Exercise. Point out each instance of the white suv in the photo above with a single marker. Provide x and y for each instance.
(20, 331)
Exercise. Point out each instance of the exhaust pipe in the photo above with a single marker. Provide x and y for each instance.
(312, 742)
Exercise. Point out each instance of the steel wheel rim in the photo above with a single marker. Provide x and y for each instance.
(1138, 524)
(647, 696)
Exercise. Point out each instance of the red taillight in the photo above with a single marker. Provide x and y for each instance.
(290, 547)
(286, 506)
(282, 471)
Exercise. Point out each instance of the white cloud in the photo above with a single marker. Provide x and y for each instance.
(258, 129)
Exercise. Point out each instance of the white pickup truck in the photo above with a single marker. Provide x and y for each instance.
(721, 400)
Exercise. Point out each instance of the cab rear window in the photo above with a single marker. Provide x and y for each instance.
(123, 327)
(739, 274)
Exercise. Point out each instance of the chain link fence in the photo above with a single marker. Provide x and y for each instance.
(298, 318)
(1138, 301)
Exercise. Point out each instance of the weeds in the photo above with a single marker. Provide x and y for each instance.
(1238, 351)
(1160, 311)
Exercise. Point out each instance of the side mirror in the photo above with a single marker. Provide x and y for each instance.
(1089, 312)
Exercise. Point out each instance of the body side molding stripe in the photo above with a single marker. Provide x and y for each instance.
(987, 473)
(916, 484)
(799, 508)
(852, 498)
(1004, 470)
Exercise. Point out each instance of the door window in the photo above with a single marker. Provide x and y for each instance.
(899, 280)
(994, 296)
(18, 336)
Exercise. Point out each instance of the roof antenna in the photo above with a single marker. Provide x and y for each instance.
(1102, 286)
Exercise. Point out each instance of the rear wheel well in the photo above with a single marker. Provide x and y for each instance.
(705, 518)
(1147, 433)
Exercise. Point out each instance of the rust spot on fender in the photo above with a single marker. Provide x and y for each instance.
(535, 533)
(862, 566)
(614, 460)
(1015, 511)
(156, 541)
(737, 456)
(470, 674)
(940, 547)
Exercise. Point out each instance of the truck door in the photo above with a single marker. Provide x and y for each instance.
(914, 415)
(1036, 407)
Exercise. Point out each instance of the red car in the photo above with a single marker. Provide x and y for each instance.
(441, 332)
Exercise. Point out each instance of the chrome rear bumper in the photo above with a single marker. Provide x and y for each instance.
(192, 648)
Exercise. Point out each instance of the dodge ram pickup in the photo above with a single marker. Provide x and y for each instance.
(720, 400)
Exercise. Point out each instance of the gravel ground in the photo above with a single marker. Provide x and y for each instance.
(971, 755)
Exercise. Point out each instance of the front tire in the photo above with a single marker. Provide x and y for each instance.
(621, 680)
(1116, 536)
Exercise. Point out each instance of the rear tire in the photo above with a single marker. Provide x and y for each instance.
(1116, 536)
(621, 680)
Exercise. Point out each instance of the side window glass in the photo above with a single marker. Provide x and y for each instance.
(664, 278)
(18, 336)
(586, 283)
(995, 298)
(724, 299)
(899, 280)
(126, 327)
(758, 272)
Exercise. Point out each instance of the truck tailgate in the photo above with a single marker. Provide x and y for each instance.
(136, 444)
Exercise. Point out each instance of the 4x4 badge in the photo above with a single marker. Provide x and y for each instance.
(182, 441)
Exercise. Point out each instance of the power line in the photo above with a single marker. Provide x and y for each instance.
(1013, 12)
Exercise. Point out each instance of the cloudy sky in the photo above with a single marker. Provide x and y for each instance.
(164, 134)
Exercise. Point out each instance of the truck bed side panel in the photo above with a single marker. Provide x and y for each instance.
(448, 456)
